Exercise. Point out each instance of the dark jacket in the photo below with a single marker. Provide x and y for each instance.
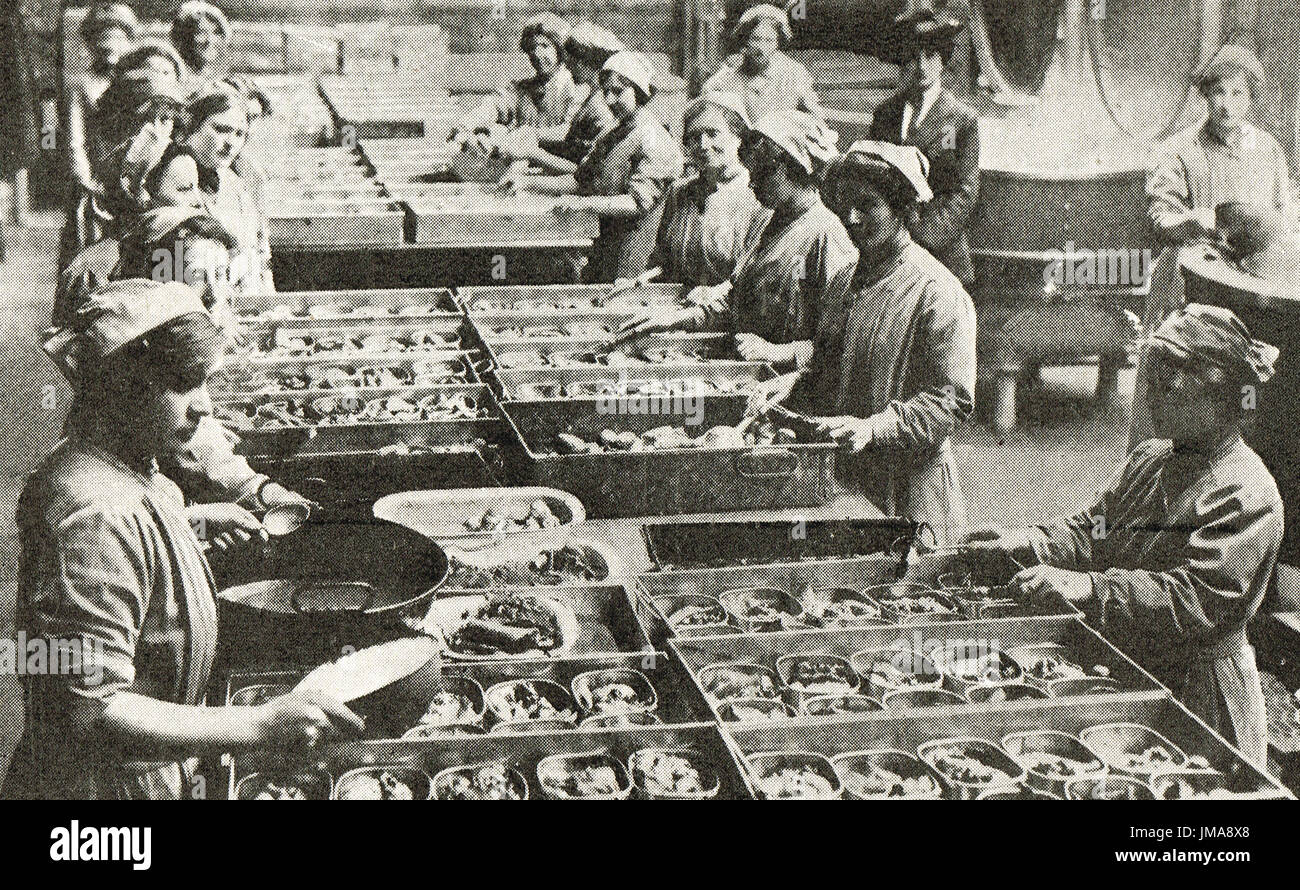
(949, 138)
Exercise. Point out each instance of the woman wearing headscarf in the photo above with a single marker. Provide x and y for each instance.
(216, 131)
(560, 149)
(1174, 558)
(200, 32)
(110, 566)
(108, 31)
(625, 175)
(760, 72)
(548, 100)
(1224, 159)
(893, 368)
(710, 219)
(801, 263)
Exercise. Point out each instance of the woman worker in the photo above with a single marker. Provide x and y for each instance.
(216, 132)
(1224, 159)
(559, 150)
(893, 368)
(547, 101)
(710, 219)
(760, 72)
(625, 175)
(110, 564)
(1174, 558)
(802, 261)
(200, 33)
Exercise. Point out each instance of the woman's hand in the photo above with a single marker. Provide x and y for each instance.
(853, 433)
(657, 320)
(753, 348)
(1044, 584)
(770, 392)
(303, 718)
(273, 494)
(224, 525)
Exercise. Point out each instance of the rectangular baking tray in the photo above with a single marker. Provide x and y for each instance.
(523, 752)
(1083, 644)
(908, 730)
(550, 297)
(670, 481)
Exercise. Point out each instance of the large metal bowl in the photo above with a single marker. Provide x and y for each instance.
(442, 517)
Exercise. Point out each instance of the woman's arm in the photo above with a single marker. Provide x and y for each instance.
(74, 135)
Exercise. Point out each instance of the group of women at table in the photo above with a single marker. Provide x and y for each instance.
(802, 252)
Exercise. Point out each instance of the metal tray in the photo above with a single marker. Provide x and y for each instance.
(908, 730)
(244, 379)
(670, 481)
(463, 213)
(549, 297)
(438, 300)
(605, 566)
(1083, 642)
(523, 752)
(448, 326)
(739, 376)
(537, 353)
(373, 436)
(701, 545)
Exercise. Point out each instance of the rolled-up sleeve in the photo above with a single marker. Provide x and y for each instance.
(653, 170)
(209, 469)
(1217, 583)
(945, 373)
(1169, 193)
(96, 599)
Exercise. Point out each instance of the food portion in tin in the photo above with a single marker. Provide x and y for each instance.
(665, 438)
(530, 700)
(724, 682)
(970, 764)
(378, 784)
(570, 565)
(242, 415)
(820, 675)
(837, 607)
(669, 774)
(523, 517)
(343, 376)
(697, 615)
(880, 776)
(595, 775)
(447, 708)
(763, 608)
(1057, 766)
(301, 786)
(509, 624)
(285, 342)
(795, 782)
(494, 781)
(755, 710)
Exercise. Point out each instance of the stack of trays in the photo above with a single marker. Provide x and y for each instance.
(472, 214)
(394, 105)
(325, 197)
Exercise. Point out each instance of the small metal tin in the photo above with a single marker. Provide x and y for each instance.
(315, 784)
(1022, 746)
(877, 682)
(1006, 692)
(765, 764)
(758, 609)
(1108, 788)
(989, 755)
(710, 781)
(1117, 744)
(585, 685)
(556, 769)
(748, 710)
(899, 763)
(903, 699)
(420, 783)
(787, 668)
(726, 681)
(839, 705)
(442, 780)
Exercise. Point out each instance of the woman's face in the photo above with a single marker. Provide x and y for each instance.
(109, 46)
(170, 419)
(205, 43)
(620, 96)
(710, 142)
(1229, 100)
(177, 184)
(207, 270)
(220, 139)
(763, 43)
(865, 213)
(544, 55)
(926, 69)
(1181, 400)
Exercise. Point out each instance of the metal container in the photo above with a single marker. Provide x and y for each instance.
(301, 308)
(904, 603)
(468, 780)
(966, 664)
(417, 780)
(799, 674)
(708, 380)
(833, 607)
(447, 517)
(1026, 748)
(903, 699)
(555, 771)
(1005, 692)
(499, 697)
(1046, 663)
(314, 784)
(1191, 784)
(1122, 746)
(756, 609)
(640, 766)
(586, 687)
(755, 710)
(678, 480)
(550, 297)
(1022, 792)
(1108, 788)
(880, 670)
(669, 607)
(765, 765)
(1005, 772)
(467, 689)
(839, 705)
(917, 780)
(722, 682)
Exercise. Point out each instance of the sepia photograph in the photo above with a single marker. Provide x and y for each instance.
(663, 399)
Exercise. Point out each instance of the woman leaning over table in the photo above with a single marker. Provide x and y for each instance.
(625, 175)
(110, 562)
